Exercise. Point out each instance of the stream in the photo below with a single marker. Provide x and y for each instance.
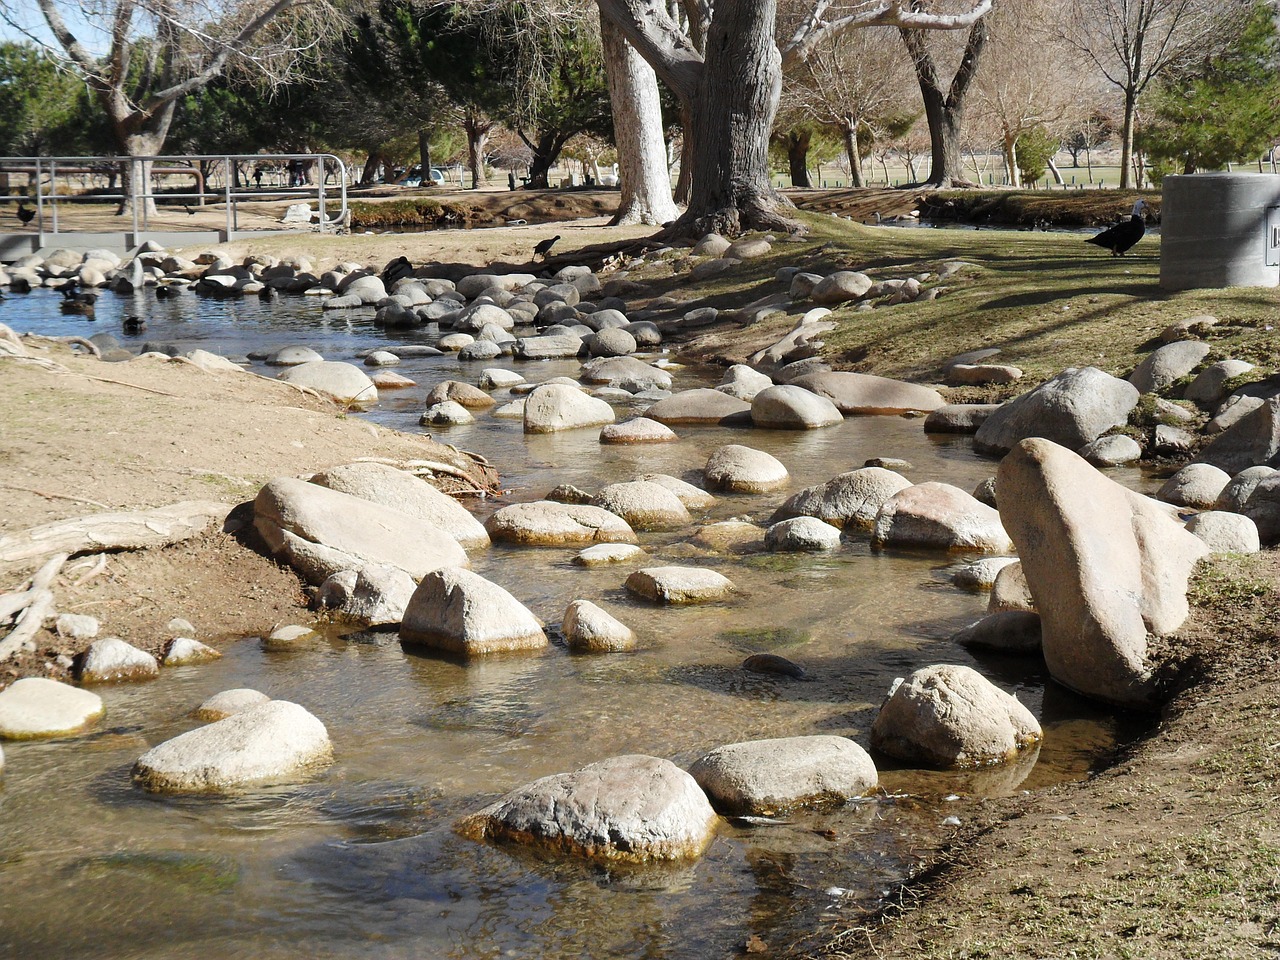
(362, 861)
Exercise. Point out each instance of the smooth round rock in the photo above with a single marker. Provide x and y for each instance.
(793, 408)
(941, 516)
(111, 660)
(639, 430)
(644, 505)
(1226, 532)
(767, 777)
(461, 612)
(738, 469)
(801, 535)
(1113, 450)
(604, 554)
(288, 637)
(679, 585)
(547, 523)
(590, 629)
(34, 707)
(448, 413)
(693, 498)
(1195, 485)
(186, 652)
(274, 742)
(850, 499)
(228, 703)
(554, 407)
(1009, 631)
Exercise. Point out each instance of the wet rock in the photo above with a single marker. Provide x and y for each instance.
(638, 430)
(589, 629)
(632, 808)
(1195, 485)
(864, 394)
(801, 534)
(388, 380)
(951, 716)
(186, 652)
(33, 708)
(568, 493)
(1169, 363)
(793, 408)
(605, 554)
(1113, 450)
(379, 596)
(320, 532)
(700, 406)
(292, 357)
(1107, 567)
(738, 469)
(711, 245)
(938, 515)
(644, 505)
(111, 660)
(766, 777)
(1074, 408)
(291, 636)
(729, 536)
(693, 498)
(344, 383)
(1225, 532)
(959, 417)
(405, 493)
(495, 378)
(461, 612)
(555, 407)
(611, 342)
(679, 585)
(1009, 631)
(446, 414)
(275, 742)
(228, 703)
(544, 523)
(471, 397)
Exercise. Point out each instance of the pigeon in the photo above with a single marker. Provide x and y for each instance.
(543, 249)
(1124, 234)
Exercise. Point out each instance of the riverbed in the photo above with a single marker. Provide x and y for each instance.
(363, 860)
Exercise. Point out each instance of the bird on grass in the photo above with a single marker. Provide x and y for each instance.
(1123, 235)
(543, 249)
(25, 214)
(133, 324)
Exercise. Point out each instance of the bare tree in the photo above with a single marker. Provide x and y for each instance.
(1131, 42)
(643, 175)
(730, 93)
(1018, 93)
(159, 51)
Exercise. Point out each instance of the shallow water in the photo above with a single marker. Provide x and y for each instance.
(363, 861)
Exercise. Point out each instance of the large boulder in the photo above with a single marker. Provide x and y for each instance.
(645, 505)
(1261, 504)
(547, 523)
(841, 286)
(801, 535)
(319, 532)
(767, 777)
(33, 707)
(631, 809)
(793, 408)
(1107, 569)
(951, 716)
(343, 383)
(410, 495)
(466, 394)
(1253, 440)
(702, 405)
(938, 515)
(562, 346)
(1075, 407)
(461, 612)
(271, 743)
(552, 407)
(862, 393)
(848, 499)
(738, 469)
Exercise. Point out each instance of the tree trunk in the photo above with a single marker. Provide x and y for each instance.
(424, 154)
(853, 151)
(1126, 139)
(643, 175)
(733, 111)
(545, 153)
(684, 180)
(1011, 172)
(945, 111)
(136, 177)
(1057, 174)
(371, 164)
(477, 129)
(798, 157)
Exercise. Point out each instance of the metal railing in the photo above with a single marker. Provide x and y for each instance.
(218, 179)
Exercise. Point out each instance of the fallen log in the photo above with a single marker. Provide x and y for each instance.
(113, 531)
(11, 603)
(32, 619)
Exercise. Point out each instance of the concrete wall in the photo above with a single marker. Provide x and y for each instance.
(1215, 231)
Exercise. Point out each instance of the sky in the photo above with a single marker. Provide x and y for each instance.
(24, 14)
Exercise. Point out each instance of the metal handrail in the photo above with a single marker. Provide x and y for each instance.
(135, 172)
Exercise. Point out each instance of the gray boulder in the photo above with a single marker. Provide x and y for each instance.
(1195, 485)
(1236, 493)
(938, 515)
(1254, 440)
(1008, 631)
(461, 612)
(864, 394)
(553, 407)
(693, 498)
(1262, 506)
(407, 494)
(319, 532)
(679, 585)
(743, 382)
(793, 408)
(959, 417)
(228, 703)
(1225, 532)
(801, 535)
(1171, 362)
(767, 777)
(951, 716)
(645, 505)
(1107, 567)
(634, 809)
(1113, 450)
(111, 660)
(272, 743)
(625, 373)
(547, 523)
(701, 405)
(848, 499)
(638, 430)
(840, 287)
(1209, 388)
(1074, 408)
(738, 469)
(557, 347)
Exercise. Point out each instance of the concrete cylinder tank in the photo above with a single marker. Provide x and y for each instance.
(1220, 230)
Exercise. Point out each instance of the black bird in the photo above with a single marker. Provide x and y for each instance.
(166, 292)
(190, 212)
(134, 324)
(1123, 235)
(543, 249)
(397, 269)
(267, 293)
(24, 214)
